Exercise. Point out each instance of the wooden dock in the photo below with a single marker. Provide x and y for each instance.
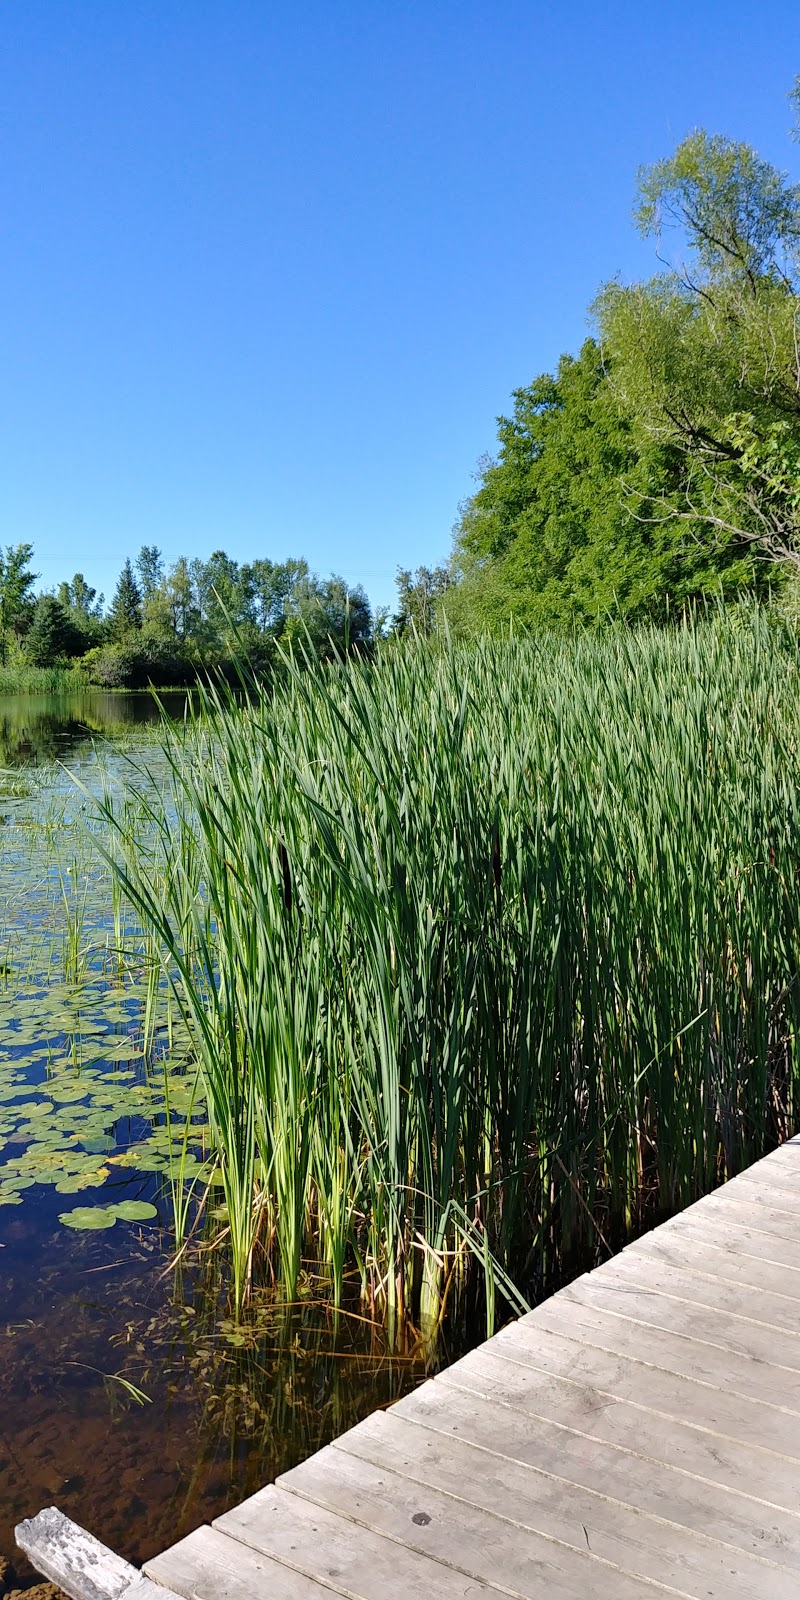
(636, 1435)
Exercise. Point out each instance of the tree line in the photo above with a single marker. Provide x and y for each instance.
(164, 624)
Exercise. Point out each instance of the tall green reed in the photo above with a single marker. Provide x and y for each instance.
(487, 953)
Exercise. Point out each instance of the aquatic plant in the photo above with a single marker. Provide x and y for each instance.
(486, 954)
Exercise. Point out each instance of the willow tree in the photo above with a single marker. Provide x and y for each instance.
(705, 357)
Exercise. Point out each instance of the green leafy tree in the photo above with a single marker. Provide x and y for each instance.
(418, 597)
(327, 616)
(704, 357)
(125, 616)
(81, 600)
(16, 594)
(272, 585)
(180, 598)
(549, 538)
(84, 609)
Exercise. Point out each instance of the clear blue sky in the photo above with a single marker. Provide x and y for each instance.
(269, 270)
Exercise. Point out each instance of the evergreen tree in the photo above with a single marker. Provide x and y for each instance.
(125, 616)
(51, 635)
(150, 567)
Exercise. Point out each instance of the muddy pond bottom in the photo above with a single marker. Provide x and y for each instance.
(131, 1402)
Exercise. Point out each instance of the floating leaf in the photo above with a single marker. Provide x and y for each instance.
(134, 1210)
(89, 1218)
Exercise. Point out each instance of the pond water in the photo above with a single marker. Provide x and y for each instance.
(43, 728)
(127, 1397)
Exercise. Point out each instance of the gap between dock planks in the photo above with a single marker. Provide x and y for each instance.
(637, 1435)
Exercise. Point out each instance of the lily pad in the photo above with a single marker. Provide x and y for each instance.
(134, 1210)
(89, 1218)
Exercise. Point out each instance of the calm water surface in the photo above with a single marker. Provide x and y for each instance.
(126, 1397)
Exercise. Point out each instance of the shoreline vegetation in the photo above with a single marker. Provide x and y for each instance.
(55, 682)
(487, 954)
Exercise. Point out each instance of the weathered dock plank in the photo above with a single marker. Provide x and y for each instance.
(583, 1518)
(637, 1480)
(637, 1434)
(454, 1529)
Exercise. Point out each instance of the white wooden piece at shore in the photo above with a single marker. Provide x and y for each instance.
(83, 1567)
(636, 1436)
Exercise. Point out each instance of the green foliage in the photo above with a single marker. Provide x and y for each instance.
(51, 637)
(663, 464)
(550, 538)
(704, 357)
(139, 659)
(21, 678)
(326, 617)
(150, 567)
(199, 616)
(84, 610)
(485, 952)
(418, 599)
(16, 598)
(738, 215)
(125, 615)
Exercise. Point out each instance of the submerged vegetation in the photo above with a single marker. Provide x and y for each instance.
(487, 955)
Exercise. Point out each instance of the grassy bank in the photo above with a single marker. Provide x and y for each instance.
(488, 954)
(41, 680)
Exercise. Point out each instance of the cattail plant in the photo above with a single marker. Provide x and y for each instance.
(488, 953)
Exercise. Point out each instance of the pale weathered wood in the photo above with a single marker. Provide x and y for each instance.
(69, 1556)
(479, 1545)
(786, 1157)
(762, 1198)
(711, 1457)
(644, 1383)
(736, 1239)
(712, 1261)
(763, 1216)
(335, 1550)
(597, 1327)
(621, 1473)
(83, 1567)
(648, 1546)
(207, 1565)
(708, 1325)
(143, 1589)
(768, 1176)
(745, 1302)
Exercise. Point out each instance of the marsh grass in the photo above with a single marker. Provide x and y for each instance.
(488, 955)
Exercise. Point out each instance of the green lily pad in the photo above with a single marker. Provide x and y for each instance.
(134, 1210)
(89, 1218)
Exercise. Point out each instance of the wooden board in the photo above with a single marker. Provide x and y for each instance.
(623, 1474)
(208, 1566)
(701, 1452)
(642, 1381)
(644, 1544)
(458, 1533)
